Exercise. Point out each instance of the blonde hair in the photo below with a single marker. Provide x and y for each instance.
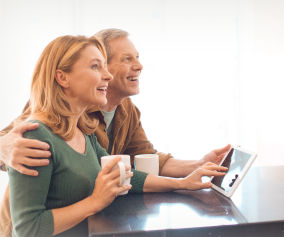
(48, 100)
(107, 35)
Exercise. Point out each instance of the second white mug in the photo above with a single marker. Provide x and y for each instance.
(148, 163)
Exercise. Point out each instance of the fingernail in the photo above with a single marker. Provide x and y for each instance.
(35, 173)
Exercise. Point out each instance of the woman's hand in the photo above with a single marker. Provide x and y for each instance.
(194, 180)
(107, 184)
(106, 189)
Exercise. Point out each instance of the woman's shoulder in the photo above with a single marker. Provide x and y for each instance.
(96, 145)
(93, 139)
(42, 131)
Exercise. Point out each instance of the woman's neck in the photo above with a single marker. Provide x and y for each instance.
(78, 141)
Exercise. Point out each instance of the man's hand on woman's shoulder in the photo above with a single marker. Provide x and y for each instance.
(19, 152)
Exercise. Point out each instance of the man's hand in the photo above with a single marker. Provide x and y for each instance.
(216, 156)
(194, 180)
(18, 152)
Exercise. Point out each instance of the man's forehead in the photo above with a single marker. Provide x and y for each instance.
(123, 45)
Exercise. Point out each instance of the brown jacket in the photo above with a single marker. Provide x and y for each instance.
(128, 138)
(128, 134)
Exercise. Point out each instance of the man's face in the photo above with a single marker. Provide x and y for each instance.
(125, 68)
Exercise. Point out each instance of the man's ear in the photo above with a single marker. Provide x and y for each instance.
(62, 78)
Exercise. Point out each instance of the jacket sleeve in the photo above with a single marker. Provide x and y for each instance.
(28, 196)
(5, 216)
(3, 133)
(139, 143)
(14, 123)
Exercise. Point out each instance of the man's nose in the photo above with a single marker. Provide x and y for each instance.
(137, 66)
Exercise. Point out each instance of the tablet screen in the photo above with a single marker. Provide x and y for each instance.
(236, 161)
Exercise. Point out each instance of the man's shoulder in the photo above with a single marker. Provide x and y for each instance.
(127, 111)
(127, 102)
(128, 105)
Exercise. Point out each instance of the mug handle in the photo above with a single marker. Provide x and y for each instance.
(121, 166)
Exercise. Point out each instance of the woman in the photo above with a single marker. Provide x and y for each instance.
(70, 77)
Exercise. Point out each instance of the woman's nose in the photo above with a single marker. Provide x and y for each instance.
(107, 76)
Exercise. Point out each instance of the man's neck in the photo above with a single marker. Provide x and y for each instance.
(112, 103)
(108, 107)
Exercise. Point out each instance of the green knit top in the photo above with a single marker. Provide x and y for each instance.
(69, 178)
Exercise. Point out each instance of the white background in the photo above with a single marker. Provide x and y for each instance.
(213, 69)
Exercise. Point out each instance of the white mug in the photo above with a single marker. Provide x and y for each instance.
(125, 160)
(148, 163)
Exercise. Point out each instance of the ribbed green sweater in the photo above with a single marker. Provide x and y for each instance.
(69, 178)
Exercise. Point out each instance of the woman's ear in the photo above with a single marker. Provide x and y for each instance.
(62, 78)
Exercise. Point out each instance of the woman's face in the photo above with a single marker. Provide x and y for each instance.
(88, 79)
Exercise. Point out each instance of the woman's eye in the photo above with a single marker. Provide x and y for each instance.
(95, 66)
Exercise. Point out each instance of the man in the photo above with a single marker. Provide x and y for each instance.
(119, 131)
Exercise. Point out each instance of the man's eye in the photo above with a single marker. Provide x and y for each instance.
(95, 66)
(127, 59)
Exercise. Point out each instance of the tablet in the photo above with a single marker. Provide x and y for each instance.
(238, 162)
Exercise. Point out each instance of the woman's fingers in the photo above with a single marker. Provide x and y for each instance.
(116, 180)
(123, 188)
(111, 172)
(129, 174)
(110, 165)
(116, 172)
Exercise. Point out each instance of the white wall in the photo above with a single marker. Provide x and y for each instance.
(213, 69)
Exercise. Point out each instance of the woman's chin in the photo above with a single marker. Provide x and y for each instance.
(100, 102)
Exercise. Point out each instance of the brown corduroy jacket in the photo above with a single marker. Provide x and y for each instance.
(128, 138)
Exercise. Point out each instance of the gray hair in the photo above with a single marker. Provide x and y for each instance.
(107, 35)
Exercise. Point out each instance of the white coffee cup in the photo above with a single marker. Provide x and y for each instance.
(148, 163)
(125, 160)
